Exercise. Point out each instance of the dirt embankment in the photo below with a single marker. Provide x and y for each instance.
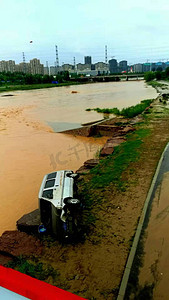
(93, 269)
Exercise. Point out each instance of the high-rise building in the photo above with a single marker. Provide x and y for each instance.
(53, 70)
(113, 66)
(160, 66)
(23, 67)
(146, 67)
(138, 68)
(7, 66)
(46, 70)
(88, 60)
(123, 66)
(36, 66)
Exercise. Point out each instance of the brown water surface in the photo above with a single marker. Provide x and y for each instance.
(29, 147)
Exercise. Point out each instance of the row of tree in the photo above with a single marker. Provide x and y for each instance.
(159, 75)
(22, 78)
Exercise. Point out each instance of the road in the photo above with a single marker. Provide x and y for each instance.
(155, 269)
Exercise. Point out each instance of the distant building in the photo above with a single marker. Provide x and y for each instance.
(88, 72)
(160, 66)
(83, 67)
(146, 67)
(153, 67)
(88, 60)
(23, 67)
(52, 70)
(46, 70)
(102, 68)
(167, 64)
(36, 67)
(3, 66)
(92, 66)
(67, 67)
(123, 66)
(7, 66)
(113, 68)
(138, 68)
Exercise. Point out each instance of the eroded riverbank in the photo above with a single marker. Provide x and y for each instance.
(29, 150)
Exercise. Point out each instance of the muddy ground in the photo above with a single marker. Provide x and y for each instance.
(93, 268)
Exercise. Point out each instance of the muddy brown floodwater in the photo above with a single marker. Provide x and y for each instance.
(30, 145)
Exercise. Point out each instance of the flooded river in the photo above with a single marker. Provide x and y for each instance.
(31, 145)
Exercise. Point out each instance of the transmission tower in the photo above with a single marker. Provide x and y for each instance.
(106, 54)
(57, 57)
(74, 62)
(24, 62)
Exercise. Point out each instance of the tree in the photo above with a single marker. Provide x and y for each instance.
(148, 76)
(167, 72)
(158, 75)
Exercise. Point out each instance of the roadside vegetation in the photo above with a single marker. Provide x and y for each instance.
(128, 112)
(158, 75)
(33, 268)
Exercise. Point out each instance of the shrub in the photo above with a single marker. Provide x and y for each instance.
(148, 76)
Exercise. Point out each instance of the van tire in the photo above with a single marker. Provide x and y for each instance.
(73, 201)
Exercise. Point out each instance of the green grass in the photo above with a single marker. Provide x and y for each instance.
(110, 169)
(156, 84)
(33, 269)
(110, 172)
(128, 112)
(33, 86)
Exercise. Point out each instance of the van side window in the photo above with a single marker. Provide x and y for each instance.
(49, 183)
(48, 194)
(52, 175)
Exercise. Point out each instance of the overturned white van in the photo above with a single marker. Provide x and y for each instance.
(57, 201)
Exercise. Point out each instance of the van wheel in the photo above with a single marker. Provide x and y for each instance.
(73, 201)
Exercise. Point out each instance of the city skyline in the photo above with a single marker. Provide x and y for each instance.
(132, 30)
(35, 66)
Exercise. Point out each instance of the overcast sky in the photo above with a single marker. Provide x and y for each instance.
(133, 30)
